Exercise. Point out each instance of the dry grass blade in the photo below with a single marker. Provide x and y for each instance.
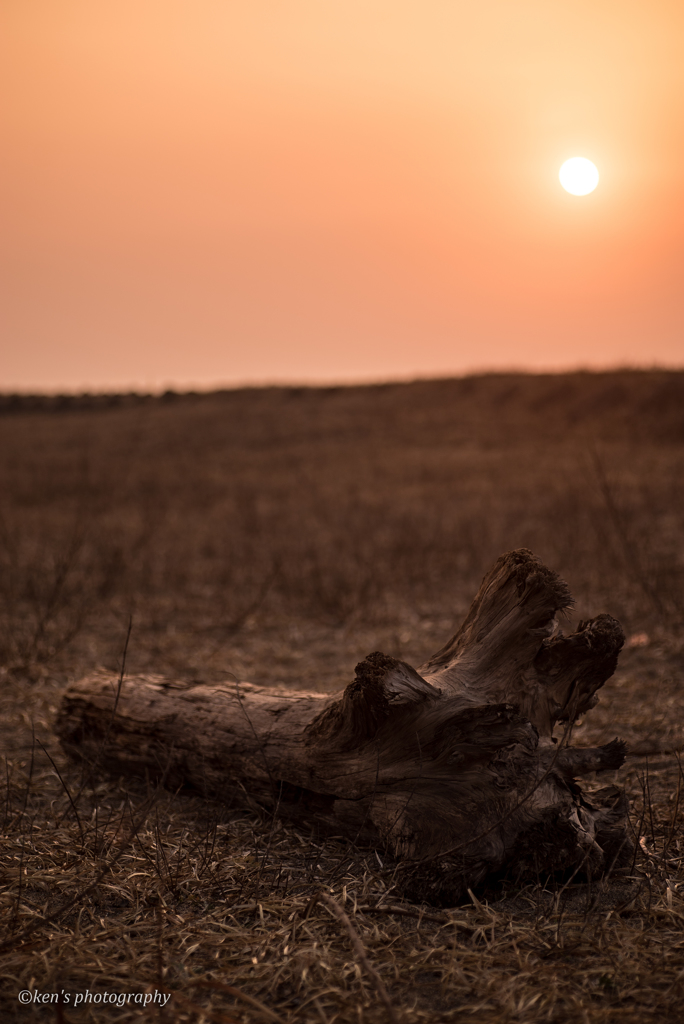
(237, 993)
(66, 790)
(202, 1013)
(46, 919)
(420, 913)
(360, 951)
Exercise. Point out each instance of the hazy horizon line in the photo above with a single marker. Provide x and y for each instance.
(190, 387)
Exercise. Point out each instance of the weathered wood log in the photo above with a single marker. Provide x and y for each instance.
(454, 769)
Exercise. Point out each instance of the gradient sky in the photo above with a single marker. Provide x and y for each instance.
(208, 192)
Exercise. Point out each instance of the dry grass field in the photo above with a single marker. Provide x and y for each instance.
(278, 535)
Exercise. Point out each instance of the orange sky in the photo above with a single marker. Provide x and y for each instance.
(207, 192)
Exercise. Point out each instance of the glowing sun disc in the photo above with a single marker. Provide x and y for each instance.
(578, 176)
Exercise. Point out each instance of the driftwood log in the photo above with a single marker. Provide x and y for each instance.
(453, 770)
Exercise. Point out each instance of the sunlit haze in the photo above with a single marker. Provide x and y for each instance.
(197, 193)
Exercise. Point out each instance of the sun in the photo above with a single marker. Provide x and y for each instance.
(579, 176)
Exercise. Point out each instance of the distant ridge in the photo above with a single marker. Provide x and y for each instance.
(13, 401)
(618, 403)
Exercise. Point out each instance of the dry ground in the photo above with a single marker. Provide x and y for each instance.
(279, 535)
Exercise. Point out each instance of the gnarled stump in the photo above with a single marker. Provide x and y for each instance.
(454, 768)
